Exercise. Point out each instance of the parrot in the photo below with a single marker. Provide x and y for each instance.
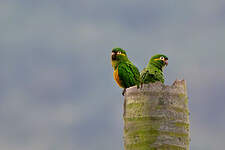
(154, 70)
(125, 73)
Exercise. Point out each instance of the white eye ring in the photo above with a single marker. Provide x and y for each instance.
(162, 58)
(119, 52)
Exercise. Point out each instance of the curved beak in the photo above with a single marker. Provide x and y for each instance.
(166, 62)
(113, 56)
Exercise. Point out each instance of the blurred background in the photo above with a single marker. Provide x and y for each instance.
(56, 84)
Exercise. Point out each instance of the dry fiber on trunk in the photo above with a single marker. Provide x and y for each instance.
(156, 117)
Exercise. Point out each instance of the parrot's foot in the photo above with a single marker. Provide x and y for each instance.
(141, 85)
(124, 91)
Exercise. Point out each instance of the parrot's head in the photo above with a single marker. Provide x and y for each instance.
(159, 61)
(118, 55)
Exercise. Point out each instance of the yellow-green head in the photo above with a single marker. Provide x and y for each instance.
(118, 55)
(159, 61)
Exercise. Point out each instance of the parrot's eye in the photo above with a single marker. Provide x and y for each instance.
(162, 58)
(118, 52)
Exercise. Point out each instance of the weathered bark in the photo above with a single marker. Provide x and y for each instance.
(156, 117)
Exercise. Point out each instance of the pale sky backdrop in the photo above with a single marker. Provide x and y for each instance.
(57, 90)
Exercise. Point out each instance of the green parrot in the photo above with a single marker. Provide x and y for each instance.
(125, 73)
(154, 70)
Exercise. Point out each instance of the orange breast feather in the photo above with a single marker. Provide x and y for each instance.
(117, 79)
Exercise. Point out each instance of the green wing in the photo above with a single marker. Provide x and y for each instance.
(128, 74)
(151, 74)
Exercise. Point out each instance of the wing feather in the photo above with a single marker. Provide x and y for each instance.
(128, 74)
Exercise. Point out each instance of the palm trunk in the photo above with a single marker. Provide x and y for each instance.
(156, 117)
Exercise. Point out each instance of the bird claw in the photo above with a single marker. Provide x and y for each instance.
(124, 91)
(141, 85)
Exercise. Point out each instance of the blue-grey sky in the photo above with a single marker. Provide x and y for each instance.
(57, 89)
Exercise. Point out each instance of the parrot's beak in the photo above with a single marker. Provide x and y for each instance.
(166, 62)
(113, 56)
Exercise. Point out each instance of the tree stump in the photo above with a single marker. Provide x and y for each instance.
(156, 117)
